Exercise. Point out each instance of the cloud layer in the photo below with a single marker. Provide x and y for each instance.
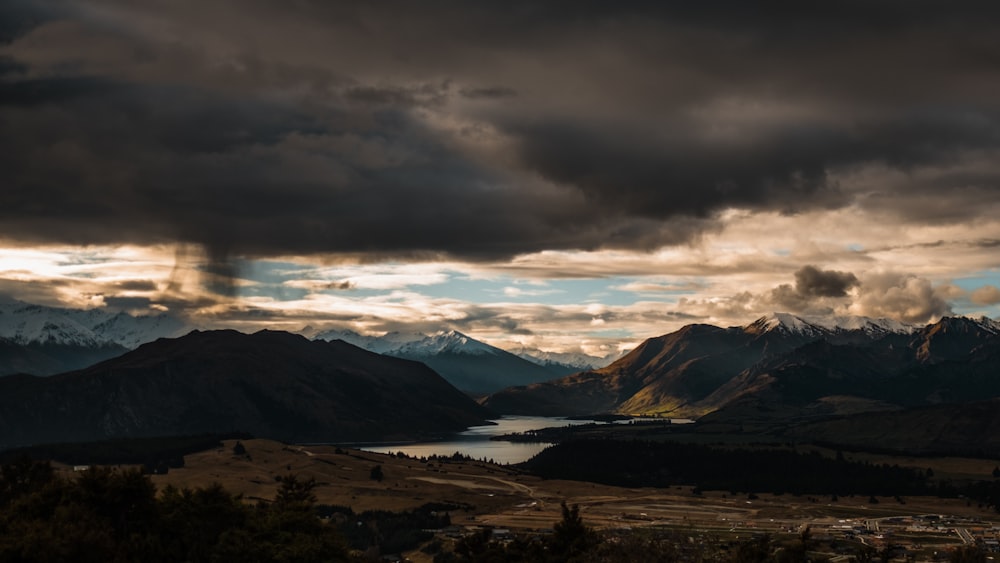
(266, 128)
(558, 173)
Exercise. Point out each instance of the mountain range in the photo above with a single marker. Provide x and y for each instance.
(868, 380)
(469, 364)
(46, 340)
(271, 384)
(780, 367)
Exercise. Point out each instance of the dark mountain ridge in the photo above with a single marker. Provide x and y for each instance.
(44, 358)
(271, 384)
(779, 367)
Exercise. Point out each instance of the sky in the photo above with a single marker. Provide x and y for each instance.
(571, 176)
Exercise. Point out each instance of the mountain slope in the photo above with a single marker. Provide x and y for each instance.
(664, 375)
(271, 384)
(780, 366)
(949, 429)
(473, 366)
(953, 360)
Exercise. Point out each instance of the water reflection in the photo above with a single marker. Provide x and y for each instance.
(475, 442)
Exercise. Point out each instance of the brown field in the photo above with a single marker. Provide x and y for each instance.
(501, 497)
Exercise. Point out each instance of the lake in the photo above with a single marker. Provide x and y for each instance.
(475, 442)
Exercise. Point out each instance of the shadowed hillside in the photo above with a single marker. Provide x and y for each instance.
(271, 384)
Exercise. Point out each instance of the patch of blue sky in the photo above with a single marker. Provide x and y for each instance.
(271, 279)
(511, 290)
(84, 258)
(81, 275)
(971, 283)
(277, 292)
(271, 272)
(978, 279)
(610, 333)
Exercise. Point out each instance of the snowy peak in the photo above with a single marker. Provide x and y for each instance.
(577, 360)
(412, 343)
(33, 324)
(814, 326)
(385, 344)
(130, 332)
(988, 324)
(784, 323)
(448, 342)
(25, 324)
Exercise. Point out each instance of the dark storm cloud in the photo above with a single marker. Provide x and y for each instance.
(488, 93)
(19, 16)
(813, 282)
(483, 131)
(815, 291)
(136, 285)
(893, 295)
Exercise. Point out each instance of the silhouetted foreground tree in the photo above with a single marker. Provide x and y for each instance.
(108, 515)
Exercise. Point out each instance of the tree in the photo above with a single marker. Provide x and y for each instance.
(112, 515)
(22, 477)
(570, 535)
(753, 551)
(294, 492)
(376, 473)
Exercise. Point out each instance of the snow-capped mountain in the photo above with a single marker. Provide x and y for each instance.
(130, 331)
(988, 324)
(447, 342)
(399, 343)
(469, 364)
(384, 344)
(23, 323)
(33, 324)
(779, 365)
(45, 340)
(822, 326)
(571, 361)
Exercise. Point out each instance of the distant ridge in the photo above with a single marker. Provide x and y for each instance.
(571, 362)
(469, 364)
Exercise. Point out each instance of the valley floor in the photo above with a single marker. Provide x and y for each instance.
(500, 497)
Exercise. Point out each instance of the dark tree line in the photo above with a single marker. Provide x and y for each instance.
(663, 464)
(156, 454)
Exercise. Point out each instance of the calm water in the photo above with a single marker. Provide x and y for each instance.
(475, 442)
